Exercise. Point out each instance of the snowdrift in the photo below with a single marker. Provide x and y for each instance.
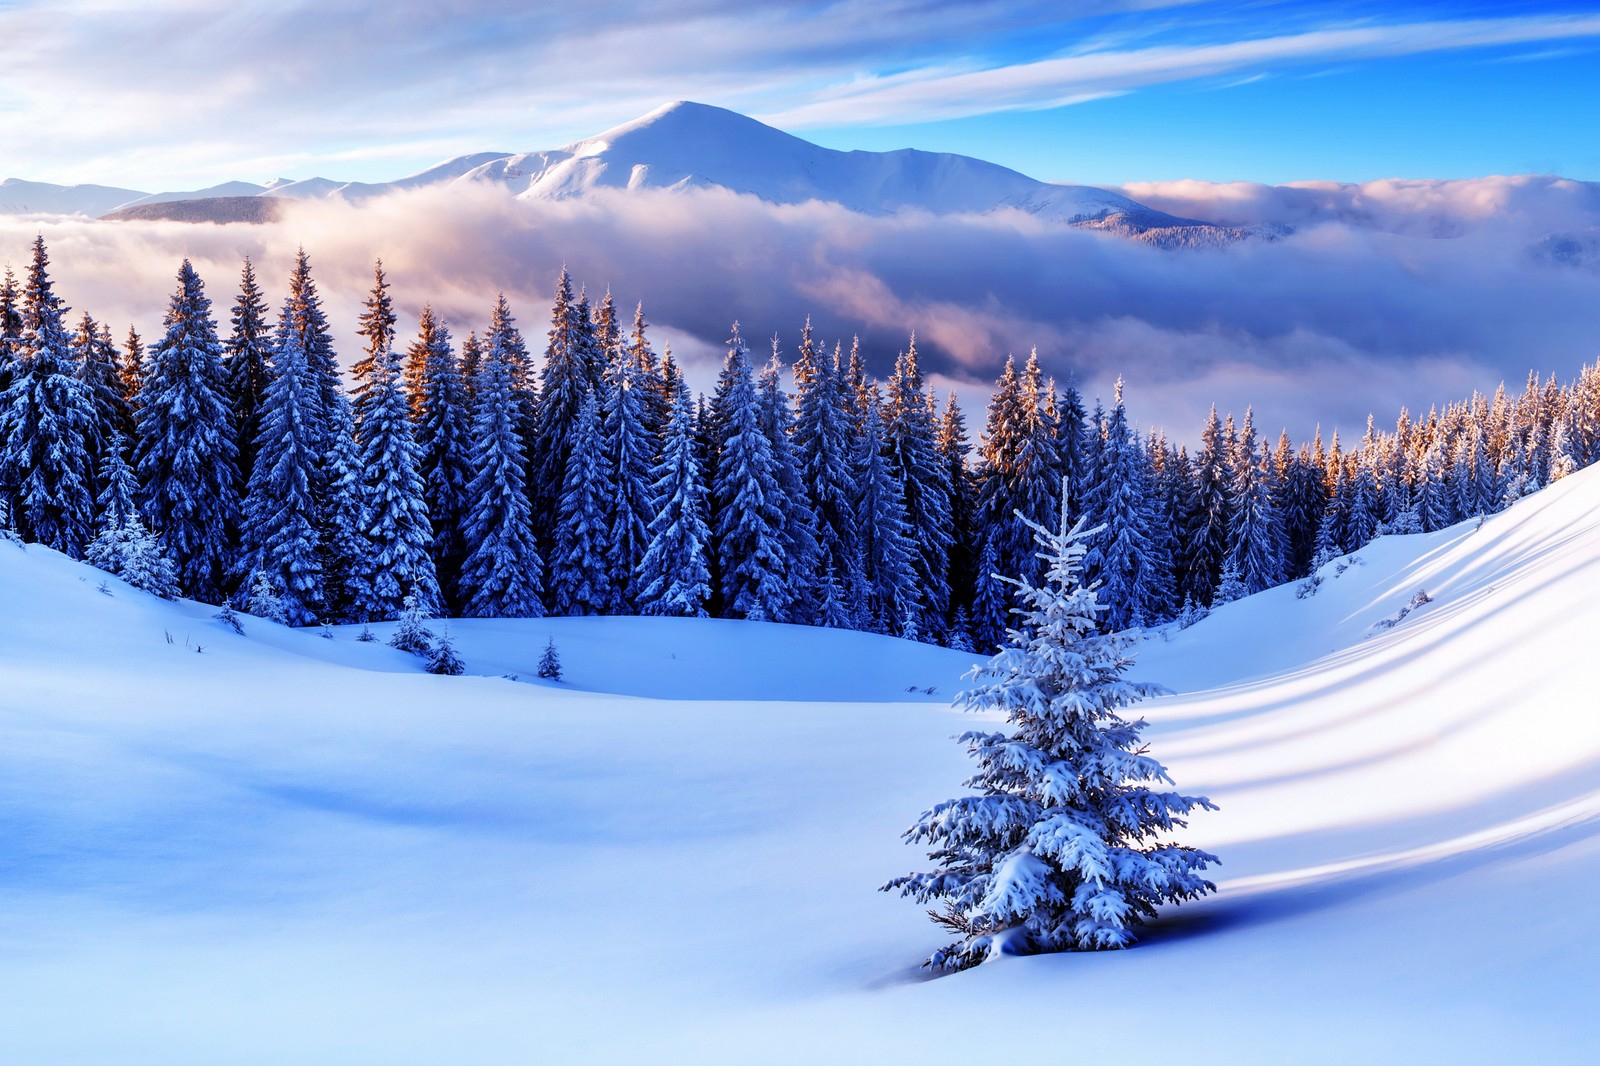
(280, 847)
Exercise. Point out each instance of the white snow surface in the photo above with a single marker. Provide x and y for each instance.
(281, 848)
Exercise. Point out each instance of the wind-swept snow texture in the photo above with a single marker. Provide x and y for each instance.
(279, 848)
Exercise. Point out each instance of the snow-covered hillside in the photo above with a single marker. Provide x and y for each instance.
(688, 145)
(279, 847)
(685, 145)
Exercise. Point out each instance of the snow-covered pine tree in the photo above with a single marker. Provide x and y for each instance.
(304, 320)
(1434, 502)
(247, 359)
(123, 546)
(626, 405)
(377, 326)
(411, 632)
(1301, 504)
(441, 411)
(951, 443)
(798, 525)
(500, 577)
(344, 518)
(10, 326)
(443, 660)
(504, 336)
(1115, 557)
(746, 517)
(1066, 845)
(119, 489)
(97, 359)
(392, 557)
(673, 577)
(1173, 484)
(187, 451)
(1206, 541)
(1256, 530)
(1362, 515)
(471, 362)
(581, 574)
(46, 419)
(656, 387)
(132, 368)
(1072, 447)
(888, 580)
(924, 484)
(550, 662)
(563, 382)
(282, 557)
(823, 449)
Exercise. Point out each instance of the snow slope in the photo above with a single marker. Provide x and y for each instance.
(18, 197)
(687, 145)
(286, 848)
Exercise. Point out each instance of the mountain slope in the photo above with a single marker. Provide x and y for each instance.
(686, 145)
(18, 197)
(203, 836)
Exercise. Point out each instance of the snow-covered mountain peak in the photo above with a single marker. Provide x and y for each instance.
(686, 145)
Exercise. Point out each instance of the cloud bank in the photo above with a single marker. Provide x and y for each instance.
(1354, 312)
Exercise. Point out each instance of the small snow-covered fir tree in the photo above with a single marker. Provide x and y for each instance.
(411, 632)
(550, 662)
(1066, 846)
(444, 659)
(123, 546)
(133, 554)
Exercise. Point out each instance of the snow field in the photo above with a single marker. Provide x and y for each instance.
(285, 848)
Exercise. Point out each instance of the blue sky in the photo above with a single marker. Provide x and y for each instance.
(179, 93)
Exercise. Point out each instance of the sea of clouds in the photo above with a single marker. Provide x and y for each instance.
(1378, 295)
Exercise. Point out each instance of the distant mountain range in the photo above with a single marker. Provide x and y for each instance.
(680, 146)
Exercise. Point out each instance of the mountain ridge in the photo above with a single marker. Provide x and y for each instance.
(678, 146)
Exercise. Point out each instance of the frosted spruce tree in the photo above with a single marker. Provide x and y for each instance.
(46, 424)
(823, 448)
(392, 557)
(673, 577)
(582, 577)
(1066, 845)
(440, 406)
(913, 455)
(630, 448)
(885, 563)
(501, 572)
(247, 359)
(564, 379)
(282, 553)
(748, 521)
(187, 450)
(123, 546)
(776, 418)
(1117, 555)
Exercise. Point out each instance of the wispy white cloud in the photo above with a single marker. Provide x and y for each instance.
(946, 92)
(188, 92)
